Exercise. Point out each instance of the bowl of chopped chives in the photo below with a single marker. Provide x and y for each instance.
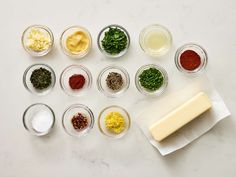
(151, 80)
(113, 41)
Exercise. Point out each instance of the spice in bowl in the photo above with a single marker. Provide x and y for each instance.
(76, 81)
(79, 121)
(114, 81)
(151, 79)
(115, 122)
(41, 78)
(191, 58)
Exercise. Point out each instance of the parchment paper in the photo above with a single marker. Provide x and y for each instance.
(155, 109)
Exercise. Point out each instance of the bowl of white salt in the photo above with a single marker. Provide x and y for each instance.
(38, 119)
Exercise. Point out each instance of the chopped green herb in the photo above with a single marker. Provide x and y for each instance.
(114, 41)
(151, 79)
(41, 78)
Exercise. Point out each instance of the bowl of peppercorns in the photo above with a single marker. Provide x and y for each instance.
(75, 80)
(78, 120)
(113, 81)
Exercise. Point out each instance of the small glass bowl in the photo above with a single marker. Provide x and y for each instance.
(46, 31)
(102, 85)
(29, 86)
(160, 29)
(101, 36)
(32, 116)
(68, 115)
(145, 91)
(199, 50)
(101, 121)
(68, 72)
(67, 33)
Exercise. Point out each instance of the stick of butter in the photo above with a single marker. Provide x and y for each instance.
(180, 116)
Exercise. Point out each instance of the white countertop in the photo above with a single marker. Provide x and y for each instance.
(209, 23)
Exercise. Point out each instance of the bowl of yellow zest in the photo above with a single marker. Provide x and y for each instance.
(114, 121)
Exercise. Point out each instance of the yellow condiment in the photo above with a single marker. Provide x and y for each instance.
(115, 122)
(38, 40)
(77, 42)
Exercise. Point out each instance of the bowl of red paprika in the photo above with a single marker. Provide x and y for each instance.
(75, 80)
(191, 59)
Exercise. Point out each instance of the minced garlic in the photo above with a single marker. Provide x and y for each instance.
(115, 122)
(38, 40)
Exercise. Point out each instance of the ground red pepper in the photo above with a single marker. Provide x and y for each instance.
(76, 81)
(190, 60)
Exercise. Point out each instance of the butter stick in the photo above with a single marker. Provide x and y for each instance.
(180, 116)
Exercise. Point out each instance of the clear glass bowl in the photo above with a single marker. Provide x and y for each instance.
(29, 86)
(69, 31)
(68, 115)
(68, 72)
(102, 85)
(145, 91)
(199, 50)
(160, 30)
(38, 119)
(101, 36)
(46, 31)
(101, 121)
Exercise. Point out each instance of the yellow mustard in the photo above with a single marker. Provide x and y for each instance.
(38, 40)
(77, 42)
(115, 122)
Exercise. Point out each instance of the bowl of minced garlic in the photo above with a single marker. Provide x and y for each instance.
(37, 40)
(114, 121)
(76, 42)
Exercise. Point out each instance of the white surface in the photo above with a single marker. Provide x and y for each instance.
(209, 23)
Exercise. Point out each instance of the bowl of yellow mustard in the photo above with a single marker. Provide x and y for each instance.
(76, 42)
(114, 121)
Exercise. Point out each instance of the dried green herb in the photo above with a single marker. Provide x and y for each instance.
(41, 78)
(114, 41)
(114, 81)
(151, 79)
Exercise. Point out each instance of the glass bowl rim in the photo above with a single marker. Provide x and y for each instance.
(48, 30)
(76, 56)
(116, 136)
(86, 70)
(84, 107)
(38, 64)
(165, 81)
(119, 54)
(196, 71)
(38, 104)
(120, 68)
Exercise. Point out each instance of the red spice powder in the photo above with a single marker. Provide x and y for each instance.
(76, 81)
(190, 60)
